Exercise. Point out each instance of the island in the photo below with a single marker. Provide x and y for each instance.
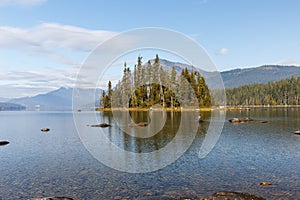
(150, 84)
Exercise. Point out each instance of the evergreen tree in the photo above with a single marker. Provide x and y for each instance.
(103, 99)
(116, 101)
(126, 86)
(183, 92)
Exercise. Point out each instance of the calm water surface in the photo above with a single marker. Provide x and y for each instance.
(37, 164)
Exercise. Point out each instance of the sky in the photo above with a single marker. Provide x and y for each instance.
(43, 43)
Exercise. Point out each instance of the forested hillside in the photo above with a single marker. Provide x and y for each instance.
(261, 75)
(283, 92)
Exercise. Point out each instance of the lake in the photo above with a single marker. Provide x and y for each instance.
(56, 163)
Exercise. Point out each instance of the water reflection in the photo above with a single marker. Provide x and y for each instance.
(150, 144)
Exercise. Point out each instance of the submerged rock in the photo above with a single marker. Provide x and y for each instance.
(265, 184)
(138, 124)
(236, 195)
(45, 129)
(225, 195)
(245, 120)
(3, 143)
(52, 198)
(297, 132)
(237, 120)
(234, 120)
(102, 125)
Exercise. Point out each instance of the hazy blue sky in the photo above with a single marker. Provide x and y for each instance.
(43, 42)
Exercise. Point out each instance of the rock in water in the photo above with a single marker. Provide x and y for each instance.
(297, 132)
(52, 198)
(138, 124)
(3, 143)
(236, 195)
(45, 129)
(265, 184)
(234, 120)
(245, 120)
(226, 195)
(102, 125)
(143, 124)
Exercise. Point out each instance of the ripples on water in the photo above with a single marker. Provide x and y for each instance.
(37, 164)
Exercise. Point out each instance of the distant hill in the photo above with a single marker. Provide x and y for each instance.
(11, 107)
(166, 64)
(210, 77)
(262, 74)
(60, 99)
(239, 77)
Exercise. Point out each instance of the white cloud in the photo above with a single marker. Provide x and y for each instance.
(29, 83)
(49, 36)
(55, 41)
(21, 2)
(222, 52)
(289, 62)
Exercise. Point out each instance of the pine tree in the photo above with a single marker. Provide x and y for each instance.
(126, 86)
(116, 101)
(183, 92)
(103, 99)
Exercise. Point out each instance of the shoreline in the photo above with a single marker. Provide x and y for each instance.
(202, 109)
(260, 106)
(156, 109)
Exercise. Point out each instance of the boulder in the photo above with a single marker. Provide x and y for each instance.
(52, 198)
(297, 132)
(245, 120)
(265, 184)
(102, 125)
(138, 124)
(236, 195)
(45, 129)
(227, 195)
(3, 143)
(234, 120)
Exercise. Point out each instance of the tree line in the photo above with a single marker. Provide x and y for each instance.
(283, 92)
(150, 84)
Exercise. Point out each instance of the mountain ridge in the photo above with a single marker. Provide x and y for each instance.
(58, 100)
(262, 74)
(241, 76)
